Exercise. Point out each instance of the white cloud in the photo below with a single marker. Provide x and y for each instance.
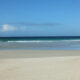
(6, 27)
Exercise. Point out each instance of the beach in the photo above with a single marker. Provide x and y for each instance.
(39, 65)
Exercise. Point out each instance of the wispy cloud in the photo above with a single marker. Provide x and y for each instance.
(43, 24)
(7, 28)
(36, 24)
(21, 26)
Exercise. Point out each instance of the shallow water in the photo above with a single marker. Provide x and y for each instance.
(41, 44)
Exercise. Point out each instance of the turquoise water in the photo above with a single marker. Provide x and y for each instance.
(47, 43)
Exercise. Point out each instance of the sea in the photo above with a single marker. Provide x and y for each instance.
(41, 43)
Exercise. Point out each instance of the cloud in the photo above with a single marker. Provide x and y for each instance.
(43, 24)
(23, 28)
(37, 24)
(7, 28)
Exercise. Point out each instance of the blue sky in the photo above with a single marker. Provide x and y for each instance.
(39, 17)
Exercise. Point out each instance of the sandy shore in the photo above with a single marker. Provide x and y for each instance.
(39, 65)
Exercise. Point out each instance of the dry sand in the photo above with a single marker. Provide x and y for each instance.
(39, 65)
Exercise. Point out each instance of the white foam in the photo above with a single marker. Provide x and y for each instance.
(38, 41)
(31, 41)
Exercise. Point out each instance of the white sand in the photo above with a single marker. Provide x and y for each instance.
(62, 67)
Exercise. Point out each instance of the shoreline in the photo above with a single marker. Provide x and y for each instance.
(37, 53)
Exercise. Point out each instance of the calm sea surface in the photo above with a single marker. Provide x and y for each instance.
(40, 43)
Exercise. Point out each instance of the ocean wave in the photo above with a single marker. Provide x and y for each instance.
(38, 41)
(29, 41)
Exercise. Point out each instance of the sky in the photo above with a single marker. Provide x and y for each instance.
(39, 18)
